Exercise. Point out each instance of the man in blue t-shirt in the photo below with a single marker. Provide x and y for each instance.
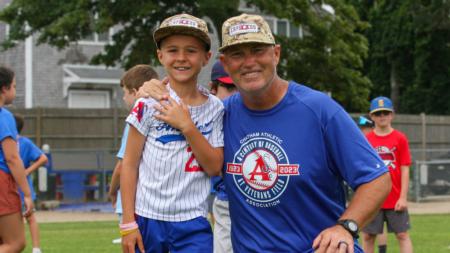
(288, 149)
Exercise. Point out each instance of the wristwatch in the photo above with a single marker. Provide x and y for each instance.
(351, 226)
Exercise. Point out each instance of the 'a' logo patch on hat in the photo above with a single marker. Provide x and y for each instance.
(381, 103)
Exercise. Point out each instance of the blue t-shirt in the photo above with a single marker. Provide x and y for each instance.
(123, 144)
(284, 169)
(7, 130)
(29, 153)
(120, 155)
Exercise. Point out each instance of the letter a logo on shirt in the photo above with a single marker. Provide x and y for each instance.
(138, 110)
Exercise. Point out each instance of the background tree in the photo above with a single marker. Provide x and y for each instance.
(409, 53)
(60, 23)
(328, 57)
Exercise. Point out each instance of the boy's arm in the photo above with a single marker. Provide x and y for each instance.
(129, 172)
(210, 158)
(115, 182)
(42, 160)
(402, 203)
(177, 115)
(15, 164)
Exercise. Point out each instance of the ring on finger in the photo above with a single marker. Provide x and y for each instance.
(342, 242)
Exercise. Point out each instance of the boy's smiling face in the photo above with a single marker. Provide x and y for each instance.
(183, 57)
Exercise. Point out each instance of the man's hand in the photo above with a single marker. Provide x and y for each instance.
(334, 239)
(401, 205)
(155, 89)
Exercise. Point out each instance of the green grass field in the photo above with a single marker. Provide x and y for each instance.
(430, 234)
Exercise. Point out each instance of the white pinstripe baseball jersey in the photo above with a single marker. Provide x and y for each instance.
(171, 185)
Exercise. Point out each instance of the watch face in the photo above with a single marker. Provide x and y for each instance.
(352, 226)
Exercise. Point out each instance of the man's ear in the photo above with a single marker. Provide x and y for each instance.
(222, 60)
(277, 51)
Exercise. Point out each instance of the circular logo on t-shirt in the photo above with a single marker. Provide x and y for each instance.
(261, 170)
(387, 155)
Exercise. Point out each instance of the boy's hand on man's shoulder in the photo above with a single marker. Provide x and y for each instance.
(155, 89)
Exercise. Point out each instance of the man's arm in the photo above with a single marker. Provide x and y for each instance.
(155, 89)
(364, 205)
(402, 203)
(41, 161)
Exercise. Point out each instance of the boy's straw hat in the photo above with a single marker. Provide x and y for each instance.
(183, 24)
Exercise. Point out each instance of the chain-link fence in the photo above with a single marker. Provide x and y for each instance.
(430, 174)
(431, 179)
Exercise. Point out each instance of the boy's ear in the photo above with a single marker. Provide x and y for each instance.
(207, 57)
(159, 53)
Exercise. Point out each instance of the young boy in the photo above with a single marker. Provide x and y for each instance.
(366, 125)
(12, 172)
(392, 146)
(130, 83)
(174, 146)
(32, 158)
(222, 86)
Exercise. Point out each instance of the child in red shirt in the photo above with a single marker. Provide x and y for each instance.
(392, 146)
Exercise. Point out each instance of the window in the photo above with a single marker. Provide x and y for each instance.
(283, 27)
(294, 31)
(89, 99)
(98, 38)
